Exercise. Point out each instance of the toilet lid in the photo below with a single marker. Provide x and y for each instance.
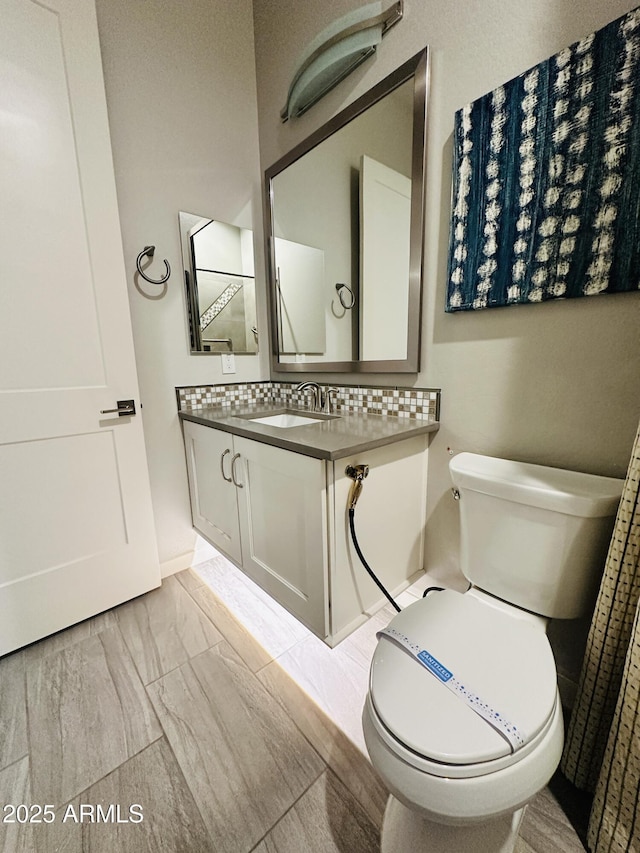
(506, 660)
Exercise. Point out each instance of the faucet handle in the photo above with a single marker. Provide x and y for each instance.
(328, 405)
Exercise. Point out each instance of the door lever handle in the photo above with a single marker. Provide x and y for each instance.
(125, 407)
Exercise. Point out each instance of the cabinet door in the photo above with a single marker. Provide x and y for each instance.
(214, 506)
(282, 508)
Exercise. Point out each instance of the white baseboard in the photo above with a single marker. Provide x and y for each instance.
(202, 551)
(177, 564)
(568, 690)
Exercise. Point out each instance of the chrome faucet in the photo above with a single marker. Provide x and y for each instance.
(322, 401)
(318, 396)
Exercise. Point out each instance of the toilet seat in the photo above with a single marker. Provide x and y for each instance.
(506, 660)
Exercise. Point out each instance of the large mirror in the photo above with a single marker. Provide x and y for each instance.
(345, 223)
(219, 285)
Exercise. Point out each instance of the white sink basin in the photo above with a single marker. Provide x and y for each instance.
(286, 420)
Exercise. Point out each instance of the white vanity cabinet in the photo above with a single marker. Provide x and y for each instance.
(282, 518)
(265, 508)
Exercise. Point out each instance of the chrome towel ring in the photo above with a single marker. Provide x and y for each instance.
(351, 301)
(149, 250)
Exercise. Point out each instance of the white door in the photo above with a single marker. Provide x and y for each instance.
(385, 217)
(301, 298)
(76, 526)
(212, 468)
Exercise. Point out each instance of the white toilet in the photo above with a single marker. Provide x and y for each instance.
(463, 720)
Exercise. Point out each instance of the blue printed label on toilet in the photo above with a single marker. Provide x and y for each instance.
(435, 666)
(511, 732)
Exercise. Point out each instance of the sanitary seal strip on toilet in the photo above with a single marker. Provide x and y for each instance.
(507, 659)
(486, 710)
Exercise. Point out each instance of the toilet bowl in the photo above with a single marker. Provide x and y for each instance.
(433, 750)
(463, 720)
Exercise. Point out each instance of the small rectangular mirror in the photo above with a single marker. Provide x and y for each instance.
(219, 285)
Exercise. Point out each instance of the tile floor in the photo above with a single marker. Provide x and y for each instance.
(199, 717)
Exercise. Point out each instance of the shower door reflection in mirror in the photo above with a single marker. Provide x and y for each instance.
(219, 285)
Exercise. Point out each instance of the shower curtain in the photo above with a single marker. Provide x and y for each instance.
(602, 748)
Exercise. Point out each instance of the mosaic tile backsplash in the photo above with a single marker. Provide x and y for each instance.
(419, 403)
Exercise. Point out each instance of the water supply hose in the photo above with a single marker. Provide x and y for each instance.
(357, 474)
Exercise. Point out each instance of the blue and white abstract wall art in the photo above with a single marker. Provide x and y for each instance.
(546, 179)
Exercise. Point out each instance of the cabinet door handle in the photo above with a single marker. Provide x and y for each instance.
(233, 471)
(224, 476)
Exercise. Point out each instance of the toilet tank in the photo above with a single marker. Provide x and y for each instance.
(534, 536)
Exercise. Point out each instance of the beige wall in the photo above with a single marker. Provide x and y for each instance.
(553, 383)
(180, 83)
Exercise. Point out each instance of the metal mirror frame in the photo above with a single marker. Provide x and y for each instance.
(417, 68)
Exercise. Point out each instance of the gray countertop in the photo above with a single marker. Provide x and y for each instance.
(331, 438)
